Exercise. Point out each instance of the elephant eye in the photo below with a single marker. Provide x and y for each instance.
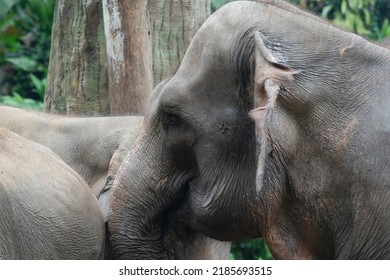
(172, 120)
(179, 135)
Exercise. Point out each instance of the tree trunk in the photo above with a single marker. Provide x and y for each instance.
(78, 79)
(107, 55)
(128, 42)
(174, 24)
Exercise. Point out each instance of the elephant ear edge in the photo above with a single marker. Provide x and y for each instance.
(269, 76)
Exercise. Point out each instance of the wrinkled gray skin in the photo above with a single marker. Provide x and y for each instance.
(47, 211)
(95, 148)
(322, 185)
(325, 140)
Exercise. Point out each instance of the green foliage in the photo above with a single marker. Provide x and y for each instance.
(368, 18)
(254, 249)
(18, 101)
(384, 31)
(25, 31)
(216, 4)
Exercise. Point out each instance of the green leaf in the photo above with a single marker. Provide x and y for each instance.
(344, 7)
(352, 22)
(339, 21)
(6, 5)
(367, 16)
(385, 29)
(40, 85)
(26, 19)
(359, 26)
(16, 100)
(326, 10)
(25, 63)
(17, 97)
(9, 101)
(353, 4)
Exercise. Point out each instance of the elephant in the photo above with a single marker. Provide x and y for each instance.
(276, 124)
(47, 211)
(95, 148)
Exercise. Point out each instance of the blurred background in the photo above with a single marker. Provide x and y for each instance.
(25, 41)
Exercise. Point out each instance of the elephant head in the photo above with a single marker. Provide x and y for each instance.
(197, 155)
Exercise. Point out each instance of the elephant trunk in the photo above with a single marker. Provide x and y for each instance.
(141, 194)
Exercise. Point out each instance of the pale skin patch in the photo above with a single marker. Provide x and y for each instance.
(343, 50)
(347, 132)
(269, 76)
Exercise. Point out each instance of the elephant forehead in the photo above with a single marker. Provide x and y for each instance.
(200, 91)
(210, 52)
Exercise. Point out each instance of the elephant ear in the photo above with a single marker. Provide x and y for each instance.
(269, 77)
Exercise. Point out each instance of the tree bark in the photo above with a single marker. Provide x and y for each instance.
(174, 24)
(128, 41)
(107, 55)
(78, 79)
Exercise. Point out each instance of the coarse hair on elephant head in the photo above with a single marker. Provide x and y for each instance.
(297, 176)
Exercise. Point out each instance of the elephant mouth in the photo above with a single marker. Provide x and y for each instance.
(180, 209)
(180, 216)
(197, 209)
(191, 209)
(175, 221)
